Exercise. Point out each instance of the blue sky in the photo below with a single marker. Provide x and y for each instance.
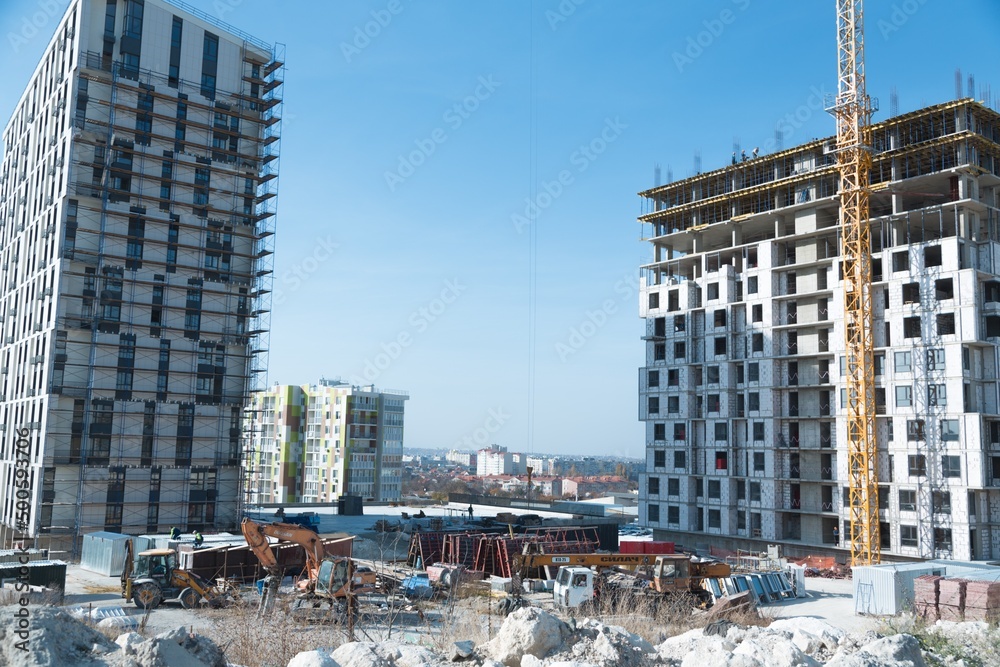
(400, 254)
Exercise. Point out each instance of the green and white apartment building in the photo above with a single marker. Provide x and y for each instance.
(316, 443)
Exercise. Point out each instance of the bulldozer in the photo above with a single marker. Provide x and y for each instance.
(153, 578)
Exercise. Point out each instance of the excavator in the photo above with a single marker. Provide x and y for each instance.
(154, 578)
(326, 582)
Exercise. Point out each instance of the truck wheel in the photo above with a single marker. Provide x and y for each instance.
(190, 598)
(147, 596)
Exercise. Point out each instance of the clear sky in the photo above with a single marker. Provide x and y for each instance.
(417, 131)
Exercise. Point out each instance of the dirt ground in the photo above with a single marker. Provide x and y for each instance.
(828, 599)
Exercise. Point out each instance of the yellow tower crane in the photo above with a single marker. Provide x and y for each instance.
(853, 111)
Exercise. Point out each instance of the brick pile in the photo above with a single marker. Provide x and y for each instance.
(951, 599)
(925, 596)
(982, 601)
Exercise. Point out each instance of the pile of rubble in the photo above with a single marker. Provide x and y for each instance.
(534, 638)
(529, 637)
(54, 638)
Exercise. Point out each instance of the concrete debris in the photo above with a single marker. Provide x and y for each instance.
(53, 637)
(895, 651)
(462, 650)
(529, 637)
(527, 631)
(595, 643)
(313, 659)
(385, 654)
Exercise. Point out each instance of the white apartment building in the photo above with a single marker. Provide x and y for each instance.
(494, 460)
(316, 443)
(137, 203)
(461, 457)
(743, 389)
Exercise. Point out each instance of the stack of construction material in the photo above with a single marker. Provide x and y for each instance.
(951, 599)
(982, 601)
(926, 591)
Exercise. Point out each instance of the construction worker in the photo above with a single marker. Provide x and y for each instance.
(470, 512)
(198, 539)
(175, 533)
(836, 535)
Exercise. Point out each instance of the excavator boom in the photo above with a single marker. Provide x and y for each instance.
(256, 535)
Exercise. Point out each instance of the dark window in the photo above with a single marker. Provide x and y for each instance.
(714, 489)
(653, 378)
(907, 500)
(721, 431)
(944, 289)
(911, 327)
(679, 350)
(673, 514)
(654, 300)
(757, 342)
(946, 324)
(680, 459)
(758, 461)
(653, 486)
(916, 465)
(911, 293)
(907, 536)
(757, 313)
(720, 345)
(659, 432)
(932, 256)
(653, 512)
(941, 502)
(659, 459)
(901, 261)
(654, 405)
(951, 466)
(713, 291)
(673, 486)
(680, 431)
(720, 317)
(758, 431)
(679, 323)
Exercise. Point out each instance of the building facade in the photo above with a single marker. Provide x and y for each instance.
(494, 460)
(743, 390)
(316, 443)
(137, 203)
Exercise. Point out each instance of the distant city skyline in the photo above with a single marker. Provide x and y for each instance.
(458, 201)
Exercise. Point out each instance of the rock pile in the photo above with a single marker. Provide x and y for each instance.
(56, 639)
(529, 637)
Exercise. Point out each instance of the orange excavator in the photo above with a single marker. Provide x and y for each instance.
(326, 582)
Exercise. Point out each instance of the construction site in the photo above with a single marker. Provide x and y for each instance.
(807, 313)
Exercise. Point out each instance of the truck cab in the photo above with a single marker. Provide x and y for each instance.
(574, 586)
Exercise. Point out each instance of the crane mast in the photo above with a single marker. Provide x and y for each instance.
(853, 111)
